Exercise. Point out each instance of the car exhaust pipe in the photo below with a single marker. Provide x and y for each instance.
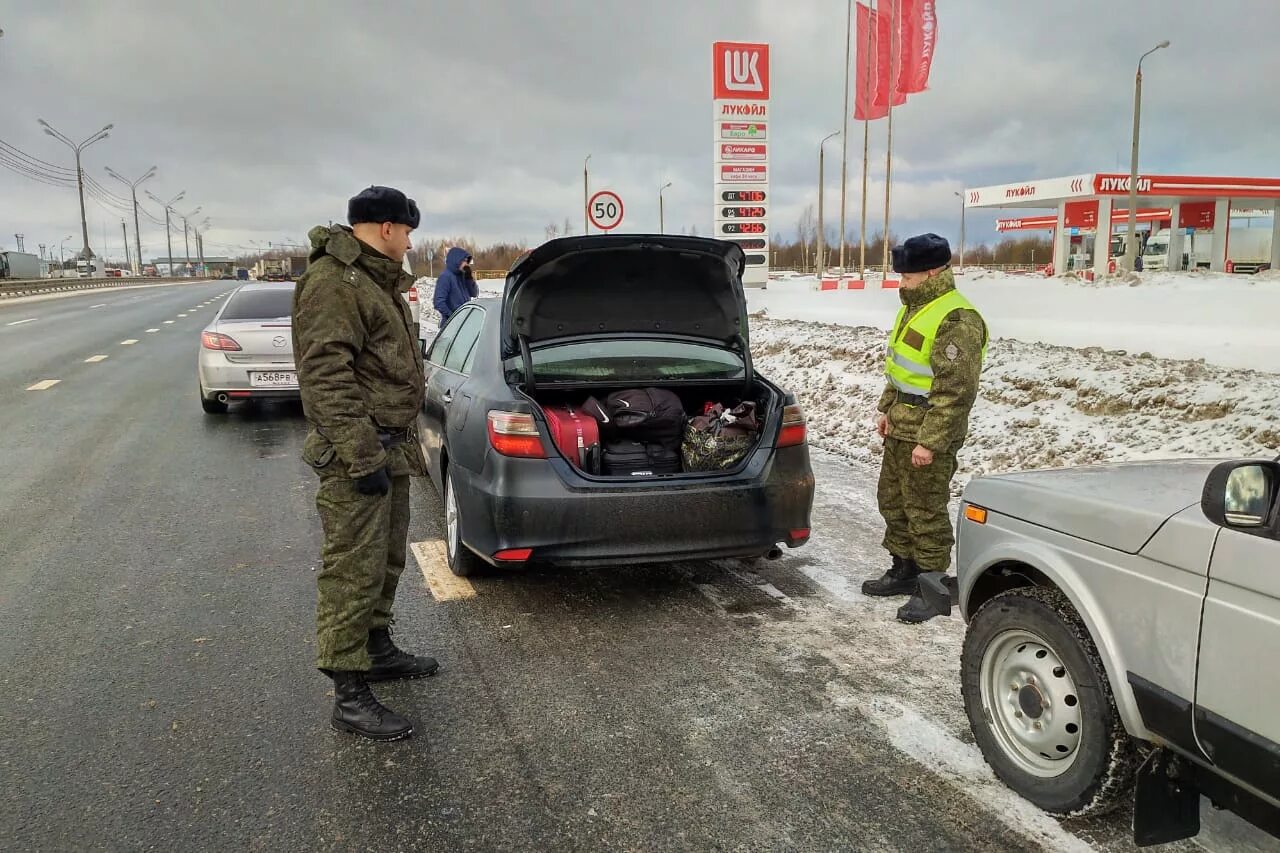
(222, 397)
(773, 553)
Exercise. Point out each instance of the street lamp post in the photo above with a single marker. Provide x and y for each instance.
(86, 253)
(133, 189)
(661, 211)
(962, 206)
(819, 265)
(1131, 241)
(586, 223)
(168, 236)
(62, 255)
(186, 241)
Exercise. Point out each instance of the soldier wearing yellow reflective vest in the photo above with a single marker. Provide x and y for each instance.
(932, 363)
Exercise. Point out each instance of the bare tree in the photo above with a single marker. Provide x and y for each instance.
(807, 233)
(568, 229)
(552, 231)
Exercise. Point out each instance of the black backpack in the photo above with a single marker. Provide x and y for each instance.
(647, 415)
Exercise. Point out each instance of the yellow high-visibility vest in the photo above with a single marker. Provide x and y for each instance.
(908, 368)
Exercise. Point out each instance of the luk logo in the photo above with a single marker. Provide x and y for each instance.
(1020, 192)
(741, 71)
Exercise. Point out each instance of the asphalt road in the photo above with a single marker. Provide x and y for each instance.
(156, 627)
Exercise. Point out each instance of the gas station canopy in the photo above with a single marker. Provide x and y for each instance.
(1184, 201)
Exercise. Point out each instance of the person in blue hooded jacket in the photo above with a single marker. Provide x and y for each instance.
(455, 285)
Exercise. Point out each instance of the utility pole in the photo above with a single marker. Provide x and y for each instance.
(819, 265)
(661, 211)
(133, 190)
(19, 237)
(185, 239)
(586, 199)
(1131, 241)
(168, 236)
(125, 232)
(86, 253)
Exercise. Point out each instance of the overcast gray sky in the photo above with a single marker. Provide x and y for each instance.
(271, 114)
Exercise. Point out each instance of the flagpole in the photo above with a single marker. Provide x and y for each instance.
(866, 148)
(888, 157)
(844, 136)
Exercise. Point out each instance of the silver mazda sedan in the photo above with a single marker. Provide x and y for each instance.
(246, 352)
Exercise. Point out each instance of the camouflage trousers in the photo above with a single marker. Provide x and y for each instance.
(365, 539)
(913, 502)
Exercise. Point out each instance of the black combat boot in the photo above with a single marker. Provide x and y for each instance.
(899, 580)
(934, 595)
(388, 662)
(357, 710)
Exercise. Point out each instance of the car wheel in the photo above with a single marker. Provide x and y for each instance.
(462, 561)
(211, 407)
(1040, 705)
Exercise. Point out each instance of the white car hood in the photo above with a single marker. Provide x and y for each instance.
(1119, 506)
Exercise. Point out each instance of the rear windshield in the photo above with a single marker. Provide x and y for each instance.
(632, 361)
(260, 304)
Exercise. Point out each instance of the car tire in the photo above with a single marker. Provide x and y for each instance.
(211, 407)
(1040, 705)
(462, 560)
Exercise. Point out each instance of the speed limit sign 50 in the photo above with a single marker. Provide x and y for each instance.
(605, 210)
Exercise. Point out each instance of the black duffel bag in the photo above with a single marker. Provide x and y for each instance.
(646, 415)
(635, 458)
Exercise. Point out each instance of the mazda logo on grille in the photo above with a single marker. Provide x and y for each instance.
(279, 341)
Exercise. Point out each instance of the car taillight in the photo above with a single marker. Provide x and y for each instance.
(214, 340)
(513, 555)
(794, 429)
(515, 434)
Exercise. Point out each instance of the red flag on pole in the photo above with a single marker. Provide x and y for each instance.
(873, 77)
(917, 38)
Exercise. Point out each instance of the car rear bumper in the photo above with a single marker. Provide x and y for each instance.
(543, 505)
(218, 374)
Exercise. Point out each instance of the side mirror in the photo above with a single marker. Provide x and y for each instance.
(1241, 494)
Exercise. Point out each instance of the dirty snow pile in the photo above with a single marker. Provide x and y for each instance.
(1040, 405)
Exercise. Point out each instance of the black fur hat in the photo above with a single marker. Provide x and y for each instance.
(382, 204)
(921, 253)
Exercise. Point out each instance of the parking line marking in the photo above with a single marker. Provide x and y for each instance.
(129, 342)
(153, 330)
(168, 322)
(20, 322)
(434, 563)
(94, 359)
(44, 384)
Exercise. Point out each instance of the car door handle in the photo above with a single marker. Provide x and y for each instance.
(448, 396)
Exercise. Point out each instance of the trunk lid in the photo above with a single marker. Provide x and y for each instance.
(616, 285)
(261, 341)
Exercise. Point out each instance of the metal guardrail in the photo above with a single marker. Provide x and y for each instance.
(31, 287)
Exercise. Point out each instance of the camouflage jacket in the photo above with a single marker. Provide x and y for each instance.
(956, 361)
(359, 365)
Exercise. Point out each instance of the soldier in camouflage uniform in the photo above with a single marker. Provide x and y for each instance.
(933, 361)
(361, 377)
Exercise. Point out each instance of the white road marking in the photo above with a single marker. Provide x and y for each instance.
(129, 342)
(182, 315)
(434, 563)
(44, 384)
(20, 322)
(94, 359)
(153, 330)
(168, 322)
(99, 305)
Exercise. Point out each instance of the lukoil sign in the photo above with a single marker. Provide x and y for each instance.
(741, 71)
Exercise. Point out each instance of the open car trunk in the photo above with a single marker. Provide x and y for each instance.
(695, 398)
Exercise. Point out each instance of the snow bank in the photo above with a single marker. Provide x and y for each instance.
(1039, 406)
(1225, 319)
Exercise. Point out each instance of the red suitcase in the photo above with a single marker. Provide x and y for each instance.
(576, 434)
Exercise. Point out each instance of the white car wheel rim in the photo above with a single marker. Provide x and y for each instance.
(1032, 703)
(450, 519)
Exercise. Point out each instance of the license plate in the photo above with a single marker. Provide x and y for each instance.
(274, 379)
